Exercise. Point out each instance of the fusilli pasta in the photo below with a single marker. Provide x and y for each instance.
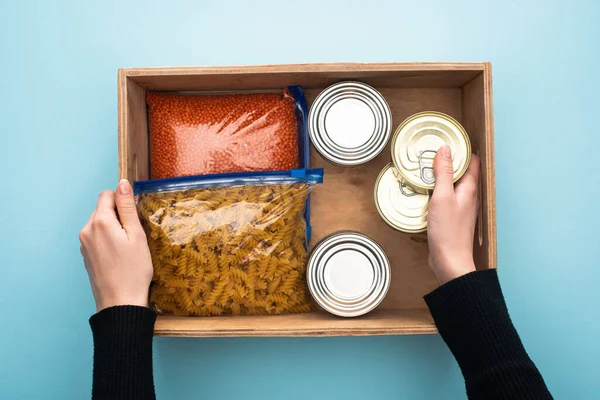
(231, 250)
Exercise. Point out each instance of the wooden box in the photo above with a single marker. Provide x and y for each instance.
(345, 200)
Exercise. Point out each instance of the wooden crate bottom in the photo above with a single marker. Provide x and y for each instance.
(379, 322)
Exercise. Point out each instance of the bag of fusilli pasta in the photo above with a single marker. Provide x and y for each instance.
(230, 244)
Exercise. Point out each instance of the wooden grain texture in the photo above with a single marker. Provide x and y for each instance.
(306, 75)
(478, 121)
(345, 200)
(133, 131)
(122, 111)
(381, 322)
(333, 68)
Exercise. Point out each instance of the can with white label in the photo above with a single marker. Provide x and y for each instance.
(348, 274)
(349, 123)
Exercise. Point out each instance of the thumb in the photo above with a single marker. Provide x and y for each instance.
(443, 171)
(126, 207)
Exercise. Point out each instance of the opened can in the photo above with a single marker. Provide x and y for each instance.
(416, 142)
(348, 274)
(349, 123)
(400, 206)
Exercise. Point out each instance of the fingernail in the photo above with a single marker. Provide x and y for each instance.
(124, 187)
(445, 150)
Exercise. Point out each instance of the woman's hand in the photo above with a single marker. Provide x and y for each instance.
(451, 219)
(115, 251)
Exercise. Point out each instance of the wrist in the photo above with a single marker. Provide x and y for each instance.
(452, 269)
(125, 301)
(451, 274)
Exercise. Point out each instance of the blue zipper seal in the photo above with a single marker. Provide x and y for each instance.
(311, 176)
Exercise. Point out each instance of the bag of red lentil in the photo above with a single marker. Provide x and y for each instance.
(200, 134)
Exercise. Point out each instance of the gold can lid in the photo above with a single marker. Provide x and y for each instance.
(398, 204)
(416, 142)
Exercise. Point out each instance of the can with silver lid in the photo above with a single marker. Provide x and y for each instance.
(416, 142)
(398, 204)
(349, 123)
(348, 274)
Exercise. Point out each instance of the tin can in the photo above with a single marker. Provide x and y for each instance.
(416, 142)
(398, 204)
(349, 123)
(348, 274)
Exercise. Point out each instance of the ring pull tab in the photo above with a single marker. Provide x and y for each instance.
(402, 185)
(427, 175)
(406, 194)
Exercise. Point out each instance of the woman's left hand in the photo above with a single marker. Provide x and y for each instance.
(115, 251)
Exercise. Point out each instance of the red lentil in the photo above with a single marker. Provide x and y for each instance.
(211, 134)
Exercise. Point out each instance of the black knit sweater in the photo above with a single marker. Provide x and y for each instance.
(469, 312)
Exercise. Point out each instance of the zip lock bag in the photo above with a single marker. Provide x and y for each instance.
(228, 244)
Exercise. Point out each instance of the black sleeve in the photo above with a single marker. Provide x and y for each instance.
(472, 318)
(123, 353)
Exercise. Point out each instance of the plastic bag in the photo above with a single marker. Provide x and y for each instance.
(228, 244)
(225, 133)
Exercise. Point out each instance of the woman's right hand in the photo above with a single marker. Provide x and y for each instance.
(451, 219)
(115, 251)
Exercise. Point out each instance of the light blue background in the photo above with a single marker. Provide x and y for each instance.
(58, 127)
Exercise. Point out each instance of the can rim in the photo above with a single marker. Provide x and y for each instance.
(328, 147)
(369, 302)
(459, 174)
(382, 130)
(380, 212)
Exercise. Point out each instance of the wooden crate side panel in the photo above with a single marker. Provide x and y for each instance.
(478, 121)
(418, 67)
(306, 75)
(133, 131)
(122, 108)
(406, 322)
(490, 172)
